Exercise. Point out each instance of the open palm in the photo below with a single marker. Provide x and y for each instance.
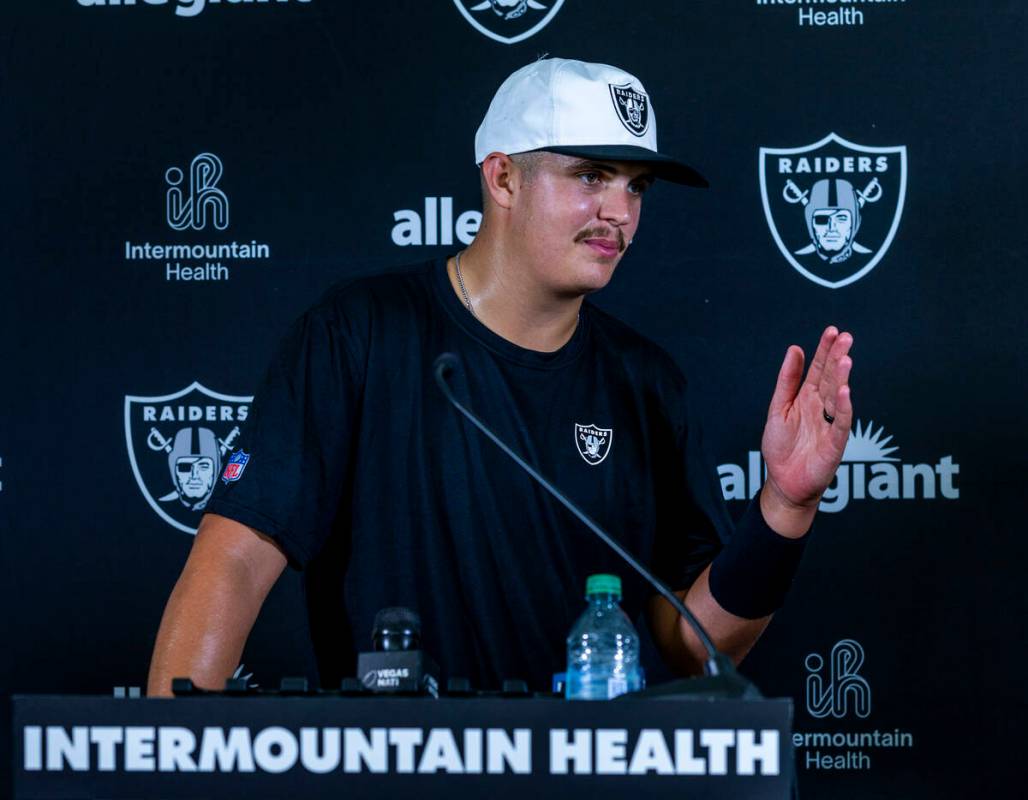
(801, 448)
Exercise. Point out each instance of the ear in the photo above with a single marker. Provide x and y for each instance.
(501, 178)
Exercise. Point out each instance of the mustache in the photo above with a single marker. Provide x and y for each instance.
(601, 233)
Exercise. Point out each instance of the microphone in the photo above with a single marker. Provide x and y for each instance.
(722, 678)
(397, 665)
(396, 629)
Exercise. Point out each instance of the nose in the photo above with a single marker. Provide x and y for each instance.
(616, 207)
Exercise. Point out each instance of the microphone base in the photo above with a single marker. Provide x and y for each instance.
(399, 672)
(710, 687)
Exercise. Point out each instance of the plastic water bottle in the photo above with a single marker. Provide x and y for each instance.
(603, 647)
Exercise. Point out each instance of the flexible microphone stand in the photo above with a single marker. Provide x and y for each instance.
(722, 679)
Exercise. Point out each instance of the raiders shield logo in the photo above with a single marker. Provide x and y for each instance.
(508, 21)
(632, 106)
(177, 444)
(833, 207)
(593, 443)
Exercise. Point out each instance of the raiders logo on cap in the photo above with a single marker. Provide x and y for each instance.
(632, 106)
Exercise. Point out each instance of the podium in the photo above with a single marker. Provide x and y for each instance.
(327, 745)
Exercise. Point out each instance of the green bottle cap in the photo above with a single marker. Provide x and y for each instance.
(603, 584)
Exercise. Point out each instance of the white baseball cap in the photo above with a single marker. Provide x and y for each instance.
(580, 109)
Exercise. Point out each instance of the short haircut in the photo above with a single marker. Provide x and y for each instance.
(528, 165)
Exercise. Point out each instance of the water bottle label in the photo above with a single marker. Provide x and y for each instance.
(616, 686)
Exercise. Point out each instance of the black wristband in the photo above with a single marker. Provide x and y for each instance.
(752, 574)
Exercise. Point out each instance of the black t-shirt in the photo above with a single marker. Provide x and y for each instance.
(369, 480)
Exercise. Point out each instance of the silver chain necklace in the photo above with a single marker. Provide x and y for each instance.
(463, 288)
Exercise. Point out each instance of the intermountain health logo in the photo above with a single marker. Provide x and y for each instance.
(839, 690)
(508, 21)
(813, 14)
(187, 8)
(833, 206)
(177, 444)
(195, 201)
(869, 471)
(202, 201)
(835, 690)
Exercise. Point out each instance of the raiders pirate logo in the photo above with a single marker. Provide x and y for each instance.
(177, 444)
(508, 21)
(833, 207)
(593, 443)
(632, 107)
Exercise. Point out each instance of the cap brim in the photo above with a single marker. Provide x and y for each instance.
(664, 167)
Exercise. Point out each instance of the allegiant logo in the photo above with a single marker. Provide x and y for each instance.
(438, 225)
(869, 470)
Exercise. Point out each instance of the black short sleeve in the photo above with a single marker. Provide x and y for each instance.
(298, 438)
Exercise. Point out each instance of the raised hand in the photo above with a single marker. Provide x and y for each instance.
(801, 448)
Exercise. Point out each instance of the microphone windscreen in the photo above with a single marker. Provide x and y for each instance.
(396, 629)
(397, 619)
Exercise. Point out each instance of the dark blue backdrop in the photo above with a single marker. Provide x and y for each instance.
(333, 122)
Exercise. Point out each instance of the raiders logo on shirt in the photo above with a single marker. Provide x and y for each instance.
(593, 443)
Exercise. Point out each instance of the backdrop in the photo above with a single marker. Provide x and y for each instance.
(182, 178)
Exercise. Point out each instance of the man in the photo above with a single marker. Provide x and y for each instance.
(360, 472)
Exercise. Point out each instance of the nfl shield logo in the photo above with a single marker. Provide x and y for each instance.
(833, 206)
(236, 464)
(593, 443)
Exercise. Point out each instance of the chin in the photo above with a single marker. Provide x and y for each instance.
(588, 283)
(601, 269)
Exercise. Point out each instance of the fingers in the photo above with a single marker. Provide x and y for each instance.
(843, 418)
(836, 376)
(820, 360)
(835, 390)
(789, 377)
(836, 371)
